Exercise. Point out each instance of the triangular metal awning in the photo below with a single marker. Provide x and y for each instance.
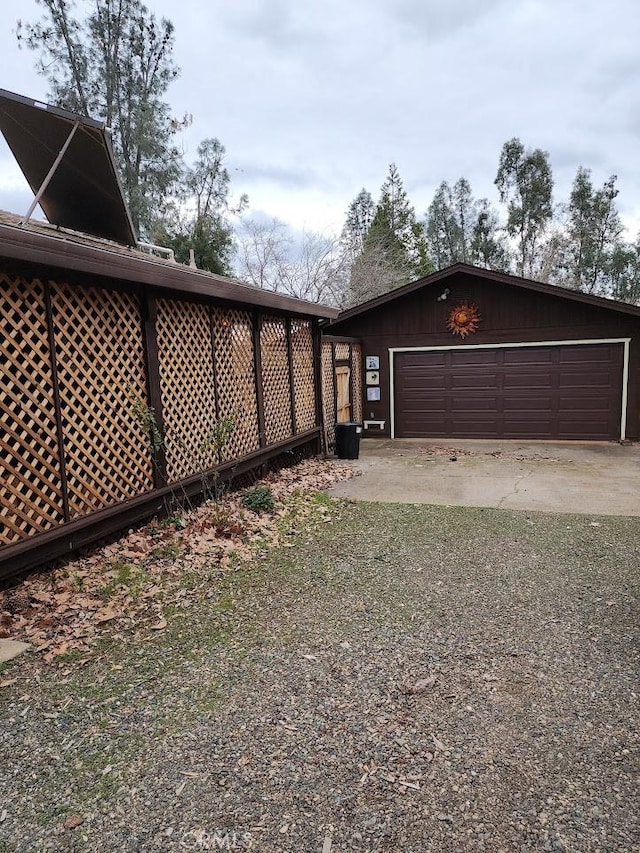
(68, 162)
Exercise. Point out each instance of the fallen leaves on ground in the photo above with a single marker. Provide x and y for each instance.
(127, 584)
(433, 450)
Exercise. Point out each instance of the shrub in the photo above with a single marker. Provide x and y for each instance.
(259, 499)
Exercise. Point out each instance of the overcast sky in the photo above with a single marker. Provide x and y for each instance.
(314, 99)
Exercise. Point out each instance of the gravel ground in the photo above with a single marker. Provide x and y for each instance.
(409, 678)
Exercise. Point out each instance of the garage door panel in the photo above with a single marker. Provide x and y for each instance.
(474, 404)
(527, 380)
(416, 384)
(528, 405)
(525, 355)
(565, 392)
(460, 358)
(611, 353)
(584, 405)
(415, 359)
(467, 379)
(521, 427)
(595, 379)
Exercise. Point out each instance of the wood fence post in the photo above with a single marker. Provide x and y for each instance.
(64, 488)
(316, 339)
(351, 383)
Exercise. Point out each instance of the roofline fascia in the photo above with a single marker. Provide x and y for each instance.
(48, 250)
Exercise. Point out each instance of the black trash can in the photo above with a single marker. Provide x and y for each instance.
(348, 440)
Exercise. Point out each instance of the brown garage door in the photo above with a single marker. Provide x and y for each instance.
(563, 392)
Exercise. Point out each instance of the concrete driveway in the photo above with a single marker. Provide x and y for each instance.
(592, 478)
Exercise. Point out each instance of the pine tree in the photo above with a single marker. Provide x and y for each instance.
(115, 64)
(392, 246)
(359, 217)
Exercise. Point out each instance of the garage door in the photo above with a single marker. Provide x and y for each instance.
(562, 392)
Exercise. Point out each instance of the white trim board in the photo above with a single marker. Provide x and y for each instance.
(580, 342)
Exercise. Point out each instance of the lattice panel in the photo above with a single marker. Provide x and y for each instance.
(30, 493)
(328, 393)
(342, 352)
(356, 374)
(188, 390)
(101, 370)
(303, 375)
(275, 379)
(236, 380)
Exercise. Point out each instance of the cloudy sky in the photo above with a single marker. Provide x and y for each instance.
(314, 99)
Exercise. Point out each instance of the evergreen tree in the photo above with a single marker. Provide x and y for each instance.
(397, 229)
(442, 229)
(487, 248)
(461, 228)
(359, 217)
(199, 218)
(624, 272)
(525, 185)
(593, 234)
(114, 63)
(393, 246)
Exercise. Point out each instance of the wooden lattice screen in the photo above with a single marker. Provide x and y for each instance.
(236, 379)
(188, 390)
(340, 356)
(342, 351)
(101, 371)
(303, 375)
(80, 367)
(31, 493)
(275, 378)
(328, 393)
(356, 382)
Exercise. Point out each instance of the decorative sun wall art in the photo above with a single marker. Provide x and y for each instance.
(463, 319)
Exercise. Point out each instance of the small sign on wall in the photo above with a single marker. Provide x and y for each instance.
(373, 377)
(372, 362)
(373, 394)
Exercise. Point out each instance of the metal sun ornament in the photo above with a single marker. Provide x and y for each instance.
(463, 319)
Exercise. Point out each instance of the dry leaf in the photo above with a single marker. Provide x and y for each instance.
(68, 610)
(159, 626)
(72, 821)
(105, 615)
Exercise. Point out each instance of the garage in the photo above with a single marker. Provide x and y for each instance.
(525, 392)
(474, 353)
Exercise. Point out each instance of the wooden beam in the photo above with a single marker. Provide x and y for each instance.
(316, 338)
(64, 488)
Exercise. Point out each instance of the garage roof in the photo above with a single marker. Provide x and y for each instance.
(526, 283)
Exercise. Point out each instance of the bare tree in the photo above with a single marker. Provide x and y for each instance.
(270, 256)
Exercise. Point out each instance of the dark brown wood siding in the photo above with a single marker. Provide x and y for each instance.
(508, 314)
